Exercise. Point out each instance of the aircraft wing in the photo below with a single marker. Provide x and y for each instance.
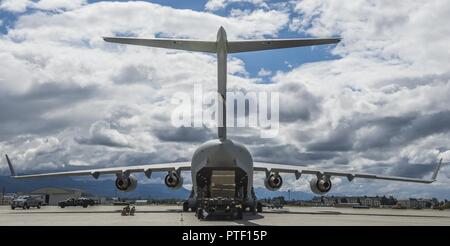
(178, 44)
(269, 44)
(146, 169)
(300, 170)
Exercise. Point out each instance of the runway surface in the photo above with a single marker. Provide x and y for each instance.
(172, 216)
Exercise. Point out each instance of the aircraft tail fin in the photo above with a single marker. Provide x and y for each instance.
(178, 44)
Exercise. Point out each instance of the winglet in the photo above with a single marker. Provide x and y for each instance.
(436, 170)
(11, 168)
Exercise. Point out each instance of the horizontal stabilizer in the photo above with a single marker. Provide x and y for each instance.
(178, 44)
(270, 44)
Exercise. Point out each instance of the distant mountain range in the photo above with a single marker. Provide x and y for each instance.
(106, 188)
(262, 193)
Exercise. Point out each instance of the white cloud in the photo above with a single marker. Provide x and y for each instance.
(14, 5)
(213, 5)
(58, 4)
(102, 134)
(61, 80)
(20, 6)
(263, 72)
(90, 22)
(384, 30)
(391, 78)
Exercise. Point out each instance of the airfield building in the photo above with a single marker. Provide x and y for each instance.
(52, 195)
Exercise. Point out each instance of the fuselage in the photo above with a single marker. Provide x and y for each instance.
(223, 155)
(221, 167)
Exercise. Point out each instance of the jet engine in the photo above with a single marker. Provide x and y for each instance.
(320, 186)
(126, 184)
(273, 181)
(173, 180)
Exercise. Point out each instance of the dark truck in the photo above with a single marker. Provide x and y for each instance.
(25, 202)
(73, 202)
(274, 203)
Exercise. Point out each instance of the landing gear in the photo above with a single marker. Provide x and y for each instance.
(199, 214)
(240, 214)
(259, 207)
(185, 206)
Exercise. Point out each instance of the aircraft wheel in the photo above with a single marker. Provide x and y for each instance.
(259, 207)
(185, 207)
(240, 214)
(200, 214)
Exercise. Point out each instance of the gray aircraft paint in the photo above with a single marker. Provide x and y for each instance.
(222, 81)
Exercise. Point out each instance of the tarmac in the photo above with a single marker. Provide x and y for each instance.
(155, 215)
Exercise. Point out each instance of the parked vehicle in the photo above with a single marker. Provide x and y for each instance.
(25, 202)
(81, 201)
(274, 203)
(399, 206)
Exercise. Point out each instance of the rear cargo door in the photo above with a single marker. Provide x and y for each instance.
(223, 183)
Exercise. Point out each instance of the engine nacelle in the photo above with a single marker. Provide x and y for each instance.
(126, 184)
(273, 181)
(173, 180)
(320, 186)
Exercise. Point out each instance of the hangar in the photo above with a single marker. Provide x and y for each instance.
(53, 195)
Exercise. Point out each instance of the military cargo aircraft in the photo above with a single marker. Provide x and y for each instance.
(222, 170)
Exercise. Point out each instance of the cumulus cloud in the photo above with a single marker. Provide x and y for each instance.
(68, 98)
(14, 5)
(383, 104)
(102, 134)
(51, 5)
(263, 72)
(58, 4)
(183, 134)
(213, 5)
(59, 79)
